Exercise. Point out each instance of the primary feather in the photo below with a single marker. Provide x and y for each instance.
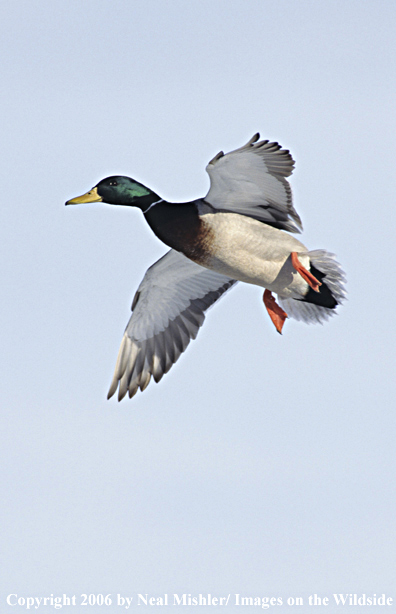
(168, 311)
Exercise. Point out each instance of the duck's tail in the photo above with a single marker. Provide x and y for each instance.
(319, 306)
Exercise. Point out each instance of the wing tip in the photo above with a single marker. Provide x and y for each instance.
(254, 139)
(217, 157)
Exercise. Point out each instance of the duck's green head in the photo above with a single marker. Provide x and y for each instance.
(118, 190)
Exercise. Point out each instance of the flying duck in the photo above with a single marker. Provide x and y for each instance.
(238, 232)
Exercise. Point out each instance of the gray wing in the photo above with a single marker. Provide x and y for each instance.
(251, 181)
(167, 312)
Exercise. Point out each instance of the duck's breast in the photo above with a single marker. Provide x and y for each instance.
(180, 227)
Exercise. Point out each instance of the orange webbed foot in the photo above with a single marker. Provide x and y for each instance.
(306, 275)
(276, 313)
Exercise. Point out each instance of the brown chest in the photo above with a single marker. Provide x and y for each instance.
(180, 227)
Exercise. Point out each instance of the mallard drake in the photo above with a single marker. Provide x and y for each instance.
(238, 232)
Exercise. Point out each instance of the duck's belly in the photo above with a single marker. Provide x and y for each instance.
(248, 250)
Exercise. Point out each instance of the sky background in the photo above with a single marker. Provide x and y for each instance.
(261, 465)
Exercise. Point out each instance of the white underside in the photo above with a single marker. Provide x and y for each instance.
(255, 253)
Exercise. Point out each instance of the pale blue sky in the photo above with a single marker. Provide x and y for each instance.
(260, 465)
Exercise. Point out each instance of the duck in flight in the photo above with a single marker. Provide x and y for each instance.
(240, 231)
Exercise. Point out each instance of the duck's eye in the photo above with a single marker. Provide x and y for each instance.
(113, 183)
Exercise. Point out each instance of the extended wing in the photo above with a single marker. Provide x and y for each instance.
(168, 310)
(251, 181)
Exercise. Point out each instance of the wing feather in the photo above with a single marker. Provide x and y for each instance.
(252, 181)
(167, 312)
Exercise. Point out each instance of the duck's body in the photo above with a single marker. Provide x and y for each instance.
(238, 232)
(234, 245)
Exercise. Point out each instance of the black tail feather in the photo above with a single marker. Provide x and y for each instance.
(324, 297)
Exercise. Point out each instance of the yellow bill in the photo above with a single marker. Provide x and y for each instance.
(90, 197)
